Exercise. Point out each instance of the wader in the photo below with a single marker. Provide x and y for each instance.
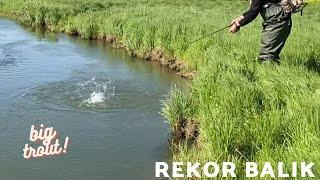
(276, 29)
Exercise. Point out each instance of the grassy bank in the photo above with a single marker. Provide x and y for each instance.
(236, 109)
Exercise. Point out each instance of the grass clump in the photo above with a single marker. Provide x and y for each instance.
(272, 119)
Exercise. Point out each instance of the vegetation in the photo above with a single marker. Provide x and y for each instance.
(235, 109)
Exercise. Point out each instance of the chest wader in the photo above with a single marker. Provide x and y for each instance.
(276, 29)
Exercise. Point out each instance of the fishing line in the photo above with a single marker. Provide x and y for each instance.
(208, 35)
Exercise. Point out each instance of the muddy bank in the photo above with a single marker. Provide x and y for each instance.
(154, 55)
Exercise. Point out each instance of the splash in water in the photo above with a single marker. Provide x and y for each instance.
(96, 97)
(100, 91)
(93, 93)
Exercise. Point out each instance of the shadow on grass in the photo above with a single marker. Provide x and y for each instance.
(313, 63)
(310, 62)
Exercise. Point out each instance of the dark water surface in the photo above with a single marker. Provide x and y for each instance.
(49, 79)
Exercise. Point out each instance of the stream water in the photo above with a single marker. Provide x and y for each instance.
(106, 102)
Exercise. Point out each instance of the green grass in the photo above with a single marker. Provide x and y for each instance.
(241, 110)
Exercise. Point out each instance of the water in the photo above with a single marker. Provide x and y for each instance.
(106, 102)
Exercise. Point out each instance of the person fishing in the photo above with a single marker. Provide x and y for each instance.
(276, 24)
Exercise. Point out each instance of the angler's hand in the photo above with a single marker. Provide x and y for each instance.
(234, 28)
(235, 24)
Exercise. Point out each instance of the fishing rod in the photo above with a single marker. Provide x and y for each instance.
(208, 35)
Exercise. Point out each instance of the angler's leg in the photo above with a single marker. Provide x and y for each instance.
(273, 40)
(275, 33)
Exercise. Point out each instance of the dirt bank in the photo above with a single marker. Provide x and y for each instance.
(155, 55)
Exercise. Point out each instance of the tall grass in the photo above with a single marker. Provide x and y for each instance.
(235, 109)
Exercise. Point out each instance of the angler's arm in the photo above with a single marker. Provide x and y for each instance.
(247, 17)
(252, 13)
